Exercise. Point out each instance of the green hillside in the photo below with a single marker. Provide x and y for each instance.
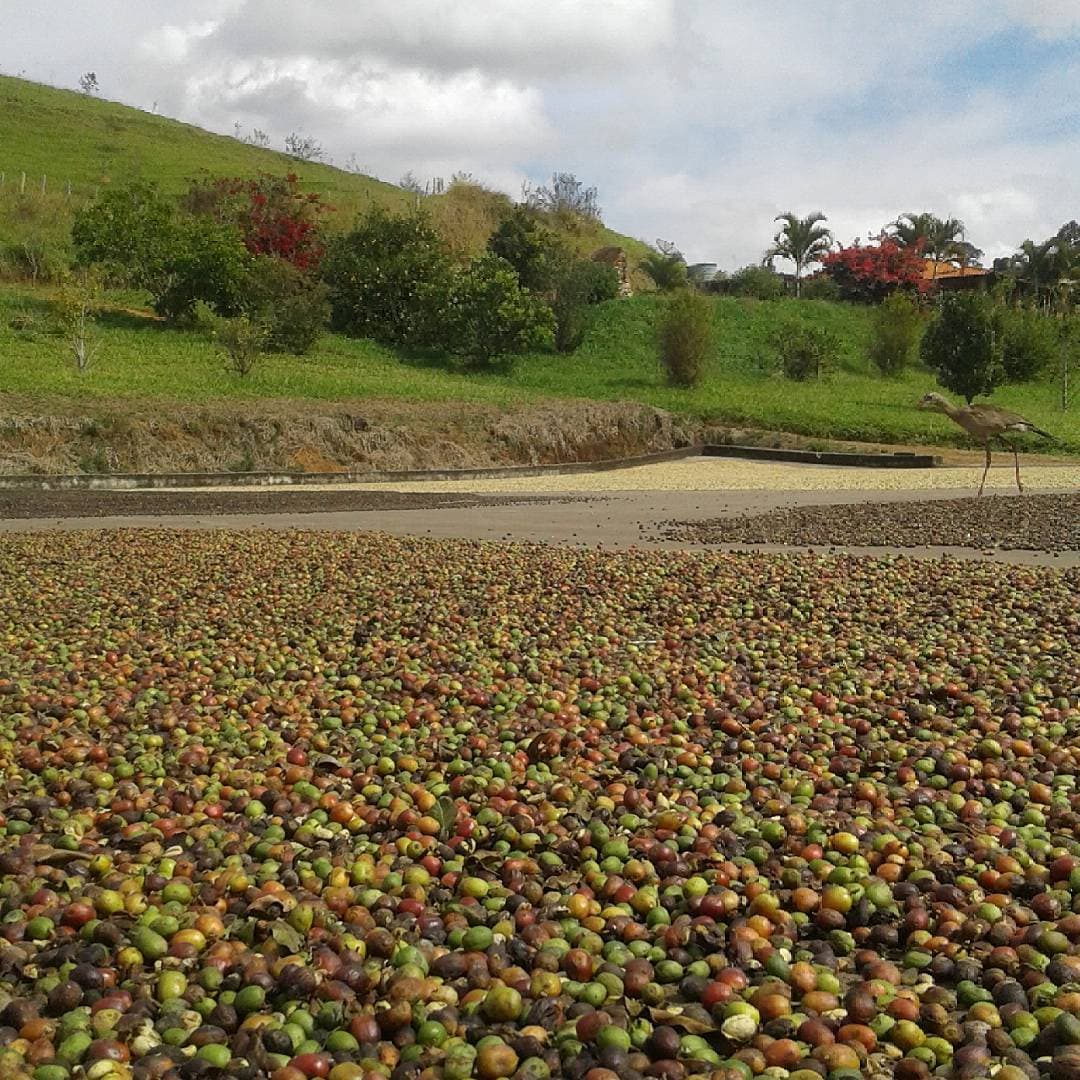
(83, 142)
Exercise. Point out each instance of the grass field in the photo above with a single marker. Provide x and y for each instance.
(141, 359)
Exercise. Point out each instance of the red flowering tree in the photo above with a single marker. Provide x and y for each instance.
(274, 216)
(870, 274)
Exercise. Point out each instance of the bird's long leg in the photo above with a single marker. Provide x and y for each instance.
(1016, 464)
(985, 471)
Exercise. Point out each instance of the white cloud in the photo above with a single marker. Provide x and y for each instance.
(1052, 19)
(699, 120)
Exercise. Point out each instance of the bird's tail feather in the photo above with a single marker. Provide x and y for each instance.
(1044, 434)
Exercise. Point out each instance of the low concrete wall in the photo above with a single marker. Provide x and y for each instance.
(826, 457)
(144, 481)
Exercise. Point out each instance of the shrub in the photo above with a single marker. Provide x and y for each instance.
(580, 283)
(758, 282)
(241, 342)
(1029, 343)
(820, 287)
(685, 337)
(962, 347)
(291, 306)
(488, 316)
(380, 275)
(273, 215)
(869, 274)
(805, 352)
(665, 267)
(894, 333)
(532, 250)
(204, 261)
(128, 231)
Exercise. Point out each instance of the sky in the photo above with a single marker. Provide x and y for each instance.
(698, 121)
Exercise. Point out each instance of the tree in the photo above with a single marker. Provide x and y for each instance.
(962, 345)
(869, 274)
(685, 337)
(802, 240)
(532, 250)
(303, 147)
(1069, 233)
(88, 83)
(490, 317)
(1047, 273)
(939, 239)
(127, 231)
(756, 282)
(665, 266)
(206, 260)
(566, 195)
(384, 277)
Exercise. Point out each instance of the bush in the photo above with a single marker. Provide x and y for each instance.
(758, 282)
(961, 346)
(894, 333)
(242, 342)
(666, 268)
(488, 316)
(580, 283)
(532, 250)
(381, 274)
(805, 352)
(820, 287)
(273, 215)
(206, 261)
(1029, 343)
(129, 232)
(291, 306)
(869, 274)
(685, 337)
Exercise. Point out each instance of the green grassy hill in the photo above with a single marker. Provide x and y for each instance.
(81, 140)
(82, 143)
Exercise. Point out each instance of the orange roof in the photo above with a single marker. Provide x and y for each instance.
(938, 270)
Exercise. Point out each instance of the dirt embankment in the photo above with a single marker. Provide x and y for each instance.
(246, 437)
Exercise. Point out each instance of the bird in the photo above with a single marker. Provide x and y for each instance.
(984, 423)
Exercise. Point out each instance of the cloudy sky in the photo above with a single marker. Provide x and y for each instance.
(698, 120)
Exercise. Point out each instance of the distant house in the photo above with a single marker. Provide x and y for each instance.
(616, 257)
(952, 278)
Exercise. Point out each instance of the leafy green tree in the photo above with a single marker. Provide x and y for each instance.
(802, 240)
(530, 248)
(205, 261)
(127, 231)
(685, 337)
(962, 345)
(382, 276)
(490, 317)
(665, 266)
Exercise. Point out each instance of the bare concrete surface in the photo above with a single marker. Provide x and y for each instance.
(612, 519)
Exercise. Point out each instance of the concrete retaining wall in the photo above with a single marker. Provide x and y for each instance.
(142, 481)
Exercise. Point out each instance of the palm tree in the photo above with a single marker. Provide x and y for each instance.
(802, 240)
(941, 239)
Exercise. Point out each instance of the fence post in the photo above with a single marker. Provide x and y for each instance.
(67, 189)
(43, 184)
(22, 184)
